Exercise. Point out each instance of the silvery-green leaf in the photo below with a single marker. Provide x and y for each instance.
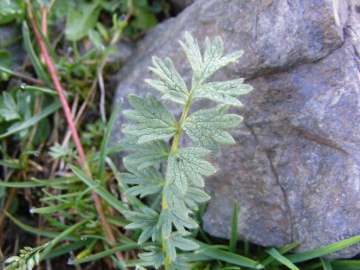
(171, 84)
(182, 243)
(193, 53)
(175, 199)
(143, 191)
(147, 181)
(147, 233)
(146, 154)
(169, 218)
(177, 240)
(12, 259)
(197, 195)
(204, 68)
(165, 223)
(155, 256)
(186, 166)
(155, 122)
(146, 218)
(205, 127)
(224, 92)
(170, 249)
(194, 196)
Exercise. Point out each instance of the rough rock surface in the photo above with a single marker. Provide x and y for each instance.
(295, 168)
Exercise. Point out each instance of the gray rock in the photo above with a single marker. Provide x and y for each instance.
(296, 165)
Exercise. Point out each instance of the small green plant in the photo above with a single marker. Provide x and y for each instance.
(181, 187)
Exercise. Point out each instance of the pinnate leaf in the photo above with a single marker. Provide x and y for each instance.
(186, 167)
(171, 84)
(169, 218)
(177, 240)
(224, 92)
(205, 127)
(155, 122)
(147, 181)
(147, 220)
(204, 68)
(155, 255)
(146, 154)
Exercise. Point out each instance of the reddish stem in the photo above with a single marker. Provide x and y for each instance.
(50, 65)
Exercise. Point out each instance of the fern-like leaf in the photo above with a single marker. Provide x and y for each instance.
(205, 127)
(155, 122)
(145, 154)
(204, 68)
(224, 92)
(171, 84)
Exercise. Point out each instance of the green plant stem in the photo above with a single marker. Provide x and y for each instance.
(174, 147)
(70, 121)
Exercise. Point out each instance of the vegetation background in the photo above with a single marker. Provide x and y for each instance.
(59, 188)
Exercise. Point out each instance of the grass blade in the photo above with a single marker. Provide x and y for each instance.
(345, 265)
(63, 236)
(56, 252)
(34, 59)
(226, 256)
(282, 250)
(234, 227)
(106, 195)
(38, 231)
(273, 252)
(307, 255)
(105, 253)
(33, 120)
(105, 142)
(326, 264)
(52, 209)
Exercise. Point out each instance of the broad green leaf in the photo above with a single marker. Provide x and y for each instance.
(203, 68)
(171, 84)
(143, 18)
(155, 122)
(146, 154)
(80, 21)
(95, 38)
(224, 92)
(186, 167)
(205, 127)
(6, 63)
(10, 10)
(9, 108)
